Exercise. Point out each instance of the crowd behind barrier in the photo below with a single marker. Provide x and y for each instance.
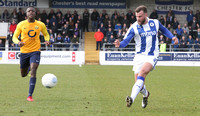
(66, 28)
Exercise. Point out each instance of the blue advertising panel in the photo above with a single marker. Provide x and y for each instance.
(186, 57)
(88, 4)
(119, 56)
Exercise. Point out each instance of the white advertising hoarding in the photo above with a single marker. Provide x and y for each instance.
(47, 57)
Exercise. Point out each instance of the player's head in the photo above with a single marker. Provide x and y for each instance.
(141, 14)
(30, 13)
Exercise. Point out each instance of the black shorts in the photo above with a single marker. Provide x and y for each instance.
(27, 58)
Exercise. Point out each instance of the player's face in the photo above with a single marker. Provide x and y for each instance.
(30, 13)
(141, 17)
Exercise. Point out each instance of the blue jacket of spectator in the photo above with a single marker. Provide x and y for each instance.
(179, 31)
(189, 17)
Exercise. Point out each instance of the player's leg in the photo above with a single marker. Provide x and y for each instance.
(145, 69)
(34, 60)
(24, 64)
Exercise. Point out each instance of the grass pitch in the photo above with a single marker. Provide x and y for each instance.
(94, 90)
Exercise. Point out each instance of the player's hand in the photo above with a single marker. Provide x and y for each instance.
(47, 43)
(116, 43)
(21, 44)
(175, 40)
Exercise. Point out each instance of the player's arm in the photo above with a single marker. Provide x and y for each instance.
(167, 33)
(127, 38)
(16, 35)
(46, 34)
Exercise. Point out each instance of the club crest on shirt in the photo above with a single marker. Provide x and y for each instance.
(36, 27)
(151, 24)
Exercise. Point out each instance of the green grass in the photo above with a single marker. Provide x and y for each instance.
(93, 90)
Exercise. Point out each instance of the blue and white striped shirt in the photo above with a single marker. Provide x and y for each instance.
(146, 37)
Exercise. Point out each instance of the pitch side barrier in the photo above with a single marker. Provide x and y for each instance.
(47, 57)
(164, 59)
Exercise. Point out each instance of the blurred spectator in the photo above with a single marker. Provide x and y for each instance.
(169, 28)
(52, 40)
(76, 30)
(185, 34)
(75, 41)
(175, 46)
(115, 21)
(189, 42)
(183, 43)
(38, 15)
(53, 19)
(51, 14)
(133, 18)
(59, 19)
(75, 16)
(161, 38)
(99, 37)
(179, 31)
(13, 26)
(21, 15)
(124, 27)
(2, 45)
(111, 41)
(104, 13)
(126, 21)
(169, 19)
(197, 45)
(197, 15)
(10, 42)
(44, 16)
(105, 21)
(14, 16)
(168, 42)
(189, 18)
(67, 40)
(65, 30)
(175, 23)
(185, 27)
(51, 33)
(198, 33)
(48, 24)
(154, 14)
(58, 12)
(194, 27)
(80, 23)
(129, 14)
(162, 20)
(102, 29)
(113, 15)
(54, 28)
(171, 13)
(86, 16)
(99, 20)
(94, 18)
(119, 35)
(109, 33)
(5, 16)
(117, 27)
(59, 40)
(68, 15)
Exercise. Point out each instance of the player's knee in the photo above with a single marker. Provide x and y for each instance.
(23, 75)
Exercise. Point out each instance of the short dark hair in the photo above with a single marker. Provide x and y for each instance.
(141, 8)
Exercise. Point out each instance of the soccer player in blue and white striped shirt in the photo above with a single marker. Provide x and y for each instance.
(145, 33)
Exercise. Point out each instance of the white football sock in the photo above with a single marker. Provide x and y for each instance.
(143, 91)
(137, 87)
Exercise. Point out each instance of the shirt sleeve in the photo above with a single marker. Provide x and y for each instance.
(16, 34)
(45, 33)
(127, 38)
(165, 31)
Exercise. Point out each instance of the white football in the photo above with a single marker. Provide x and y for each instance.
(49, 80)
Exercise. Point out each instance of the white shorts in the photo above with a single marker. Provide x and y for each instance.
(140, 59)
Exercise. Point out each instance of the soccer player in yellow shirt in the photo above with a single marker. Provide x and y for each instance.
(30, 46)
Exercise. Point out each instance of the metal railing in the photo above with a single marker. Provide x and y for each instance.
(51, 47)
(131, 47)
